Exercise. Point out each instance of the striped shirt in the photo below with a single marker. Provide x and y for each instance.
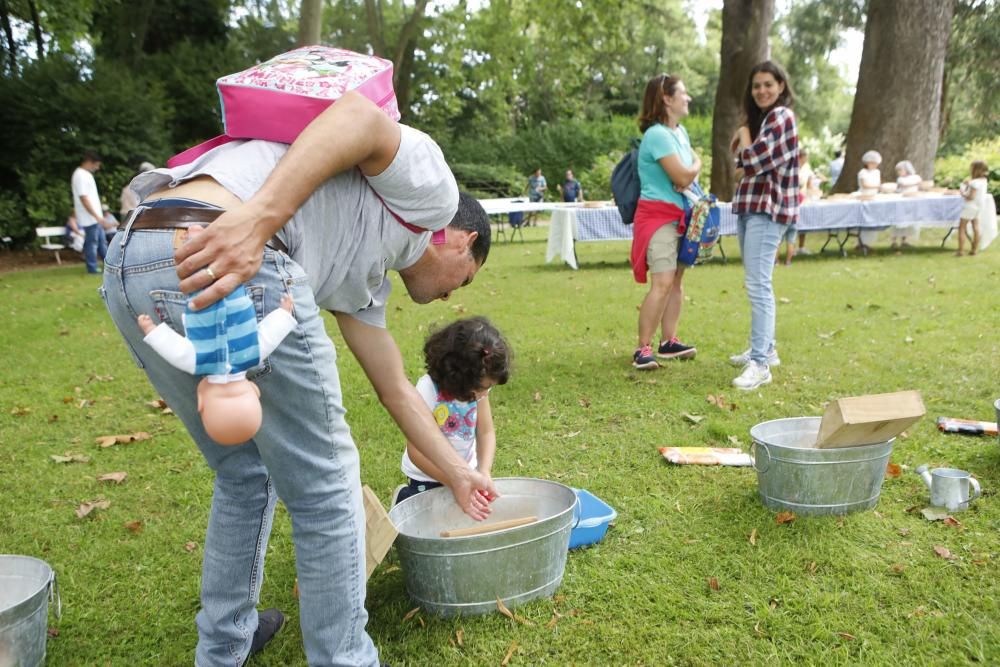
(770, 183)
(224, 335)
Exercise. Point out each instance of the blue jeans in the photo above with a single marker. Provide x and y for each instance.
(303, 454)
(759, 239)
(95, 244)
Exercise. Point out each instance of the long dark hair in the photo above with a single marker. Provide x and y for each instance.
(653, 109)
(462, 355)
(753, 114)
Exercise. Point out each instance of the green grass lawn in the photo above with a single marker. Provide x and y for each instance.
(867, 588)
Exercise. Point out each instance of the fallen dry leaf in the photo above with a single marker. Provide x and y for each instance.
(898, 568)
(460, 636)
(111, 440)
(190, 546)
(753, 537)
(951, 521)
(410, 614)
(20, 411)
(734, 440)
(70, 457)
(502, 608)
(935, 513)
(784, 300)
(694, 419)
(555, 619)
(53, 632)
(893, 470)
(510, 652)
(134, 526)
(784, 517)
(116, 477)
(584, 402)
(811, 567)
(944, 553)
(904, 531)
(538, 396)
(758, 631)
(846, 635)
(713, 583)
(86, 508)
(774, 603)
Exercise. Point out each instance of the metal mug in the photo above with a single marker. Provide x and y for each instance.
(950, 488)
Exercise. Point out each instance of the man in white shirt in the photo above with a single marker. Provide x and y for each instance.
(87, 207)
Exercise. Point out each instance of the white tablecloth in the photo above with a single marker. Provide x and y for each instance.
(604, 224)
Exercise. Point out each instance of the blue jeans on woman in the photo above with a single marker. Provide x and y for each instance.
(95, 244)
(302, 454)
(759, 237)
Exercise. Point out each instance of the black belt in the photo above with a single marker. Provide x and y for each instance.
(182, 217)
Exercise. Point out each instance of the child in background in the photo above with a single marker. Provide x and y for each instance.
(907, 181)
(869, 180)
(464, 360)
(976, 205)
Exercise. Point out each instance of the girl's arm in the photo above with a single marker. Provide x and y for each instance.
(486, 437)
(776, 144)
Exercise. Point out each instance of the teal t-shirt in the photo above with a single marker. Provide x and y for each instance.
(660, 141)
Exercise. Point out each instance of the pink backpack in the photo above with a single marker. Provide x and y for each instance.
(276, 99)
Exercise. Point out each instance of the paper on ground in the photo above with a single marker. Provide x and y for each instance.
(711, 456)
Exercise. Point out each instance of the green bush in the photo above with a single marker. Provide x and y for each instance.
(489, 180)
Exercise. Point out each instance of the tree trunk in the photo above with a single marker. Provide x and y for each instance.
(310, 22)
(897, 107)
(11, 44)
(37, 26)
(745, 26)
(402, 62)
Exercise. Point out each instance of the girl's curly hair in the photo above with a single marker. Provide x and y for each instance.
(462, 355)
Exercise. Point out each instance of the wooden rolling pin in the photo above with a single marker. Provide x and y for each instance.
(489, 527)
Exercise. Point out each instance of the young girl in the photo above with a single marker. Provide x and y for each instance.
(766, 203)
(907, 182)
(464, 360)
(976, 207)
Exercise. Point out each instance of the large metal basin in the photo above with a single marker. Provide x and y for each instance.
(466, 575)
(793, 475)
(26, 585)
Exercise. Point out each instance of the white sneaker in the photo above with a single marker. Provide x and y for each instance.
(753, 376)
(743, 359)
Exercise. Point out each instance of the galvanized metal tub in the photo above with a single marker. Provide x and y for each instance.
(26, 586)
(466, 575)
(794, 476)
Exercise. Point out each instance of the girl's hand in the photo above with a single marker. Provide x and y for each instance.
(473, 492)
(491, 492)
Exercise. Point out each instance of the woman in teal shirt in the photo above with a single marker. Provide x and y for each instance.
(667, 166)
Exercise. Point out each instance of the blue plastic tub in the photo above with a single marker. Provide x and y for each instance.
(595, 515)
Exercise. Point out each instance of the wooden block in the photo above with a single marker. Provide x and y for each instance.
(380, 532)
(866, 420)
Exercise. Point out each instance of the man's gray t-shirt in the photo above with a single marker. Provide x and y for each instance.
(343, 236)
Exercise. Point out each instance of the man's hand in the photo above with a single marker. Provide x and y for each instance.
(221, 257)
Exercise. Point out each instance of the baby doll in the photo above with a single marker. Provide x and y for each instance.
(869, 178)
(223, 342)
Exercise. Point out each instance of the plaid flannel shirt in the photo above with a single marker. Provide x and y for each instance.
(770, 182)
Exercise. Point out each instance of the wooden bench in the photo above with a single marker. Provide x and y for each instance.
(47, 234)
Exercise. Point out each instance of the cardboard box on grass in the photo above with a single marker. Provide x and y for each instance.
(866, 420)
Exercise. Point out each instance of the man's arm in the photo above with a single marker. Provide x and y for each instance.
(376, 351)
(351, 133)
(92, 208)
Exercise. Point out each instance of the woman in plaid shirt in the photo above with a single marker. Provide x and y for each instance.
(766, 201)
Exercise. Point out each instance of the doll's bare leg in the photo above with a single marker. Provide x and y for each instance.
(146, 324)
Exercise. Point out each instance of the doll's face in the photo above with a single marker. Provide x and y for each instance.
(871, 165)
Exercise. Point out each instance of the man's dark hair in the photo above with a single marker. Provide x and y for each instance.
(464, 354)
(471, 217)
(91, 156)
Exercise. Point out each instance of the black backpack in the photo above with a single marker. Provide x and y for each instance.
(625, 185)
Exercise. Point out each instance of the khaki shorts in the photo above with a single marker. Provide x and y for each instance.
(661, 255)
